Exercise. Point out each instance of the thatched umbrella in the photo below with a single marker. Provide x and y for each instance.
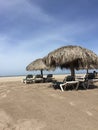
(38, 64)
(72, 57)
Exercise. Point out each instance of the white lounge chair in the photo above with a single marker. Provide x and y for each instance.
(28, 79)
(38, 79)
(67, 82)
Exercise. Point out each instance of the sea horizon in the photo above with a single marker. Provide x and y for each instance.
(36, 73)
(58, 72)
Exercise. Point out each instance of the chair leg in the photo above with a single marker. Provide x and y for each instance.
(61, 86)
(87, 84)
(84, 85)
(77, 86)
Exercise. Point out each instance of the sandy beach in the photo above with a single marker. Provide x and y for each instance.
(39, 106)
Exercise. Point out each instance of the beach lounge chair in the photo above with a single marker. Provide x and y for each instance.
(86, 80)
(38, 79)
(28, 79)
(90, 75)
(68, 81)
(49, 78)
(91, 78)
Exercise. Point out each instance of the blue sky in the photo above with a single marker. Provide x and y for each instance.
(30, 29)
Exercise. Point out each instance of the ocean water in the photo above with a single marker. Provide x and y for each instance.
(56, 72)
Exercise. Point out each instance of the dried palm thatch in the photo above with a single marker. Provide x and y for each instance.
(72, 57)
(38, 64)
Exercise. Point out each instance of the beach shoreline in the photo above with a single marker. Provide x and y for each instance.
(20, 78)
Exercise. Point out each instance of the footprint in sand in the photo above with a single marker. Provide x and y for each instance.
(72, 103)
(56, 96)
(89, 113)
(4, 93)
(6, 123)
(29, 125)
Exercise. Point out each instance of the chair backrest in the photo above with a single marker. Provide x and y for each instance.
(69, 78)
(90, 76)
(29, 76)
(49, 75)
(38, 76)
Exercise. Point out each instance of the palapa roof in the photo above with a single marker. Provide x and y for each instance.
(37, 64)
(76, 56)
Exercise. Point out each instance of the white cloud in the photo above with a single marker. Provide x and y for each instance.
(17, 8)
